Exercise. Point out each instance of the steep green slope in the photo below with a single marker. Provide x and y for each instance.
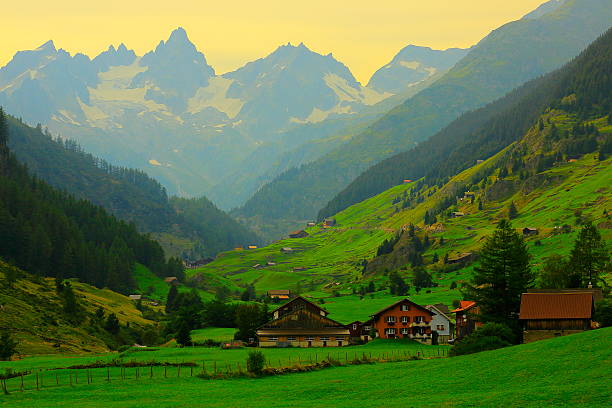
(193, 226)
(536, 46)
(482, 133)
(32, 314)
(565, 371)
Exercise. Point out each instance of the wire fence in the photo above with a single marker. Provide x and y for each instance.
(38, 379)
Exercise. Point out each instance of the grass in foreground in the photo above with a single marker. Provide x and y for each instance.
(567, 371)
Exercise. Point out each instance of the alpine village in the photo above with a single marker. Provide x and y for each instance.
(284, 235)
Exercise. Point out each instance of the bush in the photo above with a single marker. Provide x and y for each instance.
(255, 362)
(603, 312)
(490, 336)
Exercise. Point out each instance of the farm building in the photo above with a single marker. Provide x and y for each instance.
(330, 222)
(310, 224)
(252, 247)
(360, 331)
(257, 266)
(198, 263)
(404, 319)
(279, 294)
(530, 231)
(546, 315)
(286, 250)
(298, 234)
(466, 318)
(441, 324)
(461, 258)
(171, 280)
(457, 214)
(301, 323)
(135, 297)
(406, 181)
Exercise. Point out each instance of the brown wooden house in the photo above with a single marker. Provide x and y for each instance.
(279, 294)
(546, 315)
(301, 323)
(298, 234)
(360, 331)
(404, 319)
(466, 318)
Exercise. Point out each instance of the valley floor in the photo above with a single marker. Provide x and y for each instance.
(567, 371)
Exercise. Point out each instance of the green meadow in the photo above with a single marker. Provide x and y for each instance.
(566, 371)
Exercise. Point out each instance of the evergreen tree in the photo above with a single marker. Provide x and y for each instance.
(8, 347)
(503, 275)
(589, 259)
(112, 324)
(183, 335)
(435, 258)
(397, 285)
(71, 307)
(512, 211)
(555, 273)
(248, 318)
(446, 258)
(171, 299)
(422, 279)
(4, 151)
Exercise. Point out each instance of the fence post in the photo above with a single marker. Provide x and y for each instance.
(76, 376)
(70, 380)
(37, 381)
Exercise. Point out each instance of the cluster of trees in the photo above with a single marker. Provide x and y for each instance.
(484, 132)
(504, 273)
(51, 233)
(188, 312)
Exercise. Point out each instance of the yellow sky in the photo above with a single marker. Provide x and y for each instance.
(362, 34)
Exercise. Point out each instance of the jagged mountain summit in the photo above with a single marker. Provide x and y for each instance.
(167, 112)
(412, 65)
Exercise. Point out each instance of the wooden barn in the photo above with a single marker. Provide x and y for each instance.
(301, 323)
(298, 234)
(530, 231)
(404, 319)
(546, 315)
(466, 318)
(279, 294)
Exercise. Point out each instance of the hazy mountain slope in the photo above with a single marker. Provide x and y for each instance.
(412, 65)
(129, 194)
(487, 72)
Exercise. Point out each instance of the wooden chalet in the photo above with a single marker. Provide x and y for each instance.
(461, 258)
(360, 331)
(530, 231)
(279, 294)
(404, 319)
(441, 325)
(171, 280)
(546, 315)
(329, 222)
(301, 323)
(466, 318)
(298, 234)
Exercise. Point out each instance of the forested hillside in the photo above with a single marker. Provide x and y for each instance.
(52, 233)
(480, 134)
(129, 194)
(537, 45)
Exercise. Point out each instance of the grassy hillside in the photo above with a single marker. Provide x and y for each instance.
(330, 259)
(32, 313)
(565, 371)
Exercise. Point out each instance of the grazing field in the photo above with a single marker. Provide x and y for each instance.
(566, 371)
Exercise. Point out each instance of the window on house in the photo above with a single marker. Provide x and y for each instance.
(404, 308)
(291, 338)
(404, 331)
(389, 331)
(272, 338)
(324, 338)
(440, 327)
(418, 319)
(339, 338)
(390, 319)
(354, 327)
(368, 328)
(405, 319)
(309, 338)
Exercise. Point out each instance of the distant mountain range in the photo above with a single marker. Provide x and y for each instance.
(171, 115)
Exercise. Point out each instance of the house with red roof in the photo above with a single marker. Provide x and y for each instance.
(549, 314)
(466, 318)
(404, 319)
